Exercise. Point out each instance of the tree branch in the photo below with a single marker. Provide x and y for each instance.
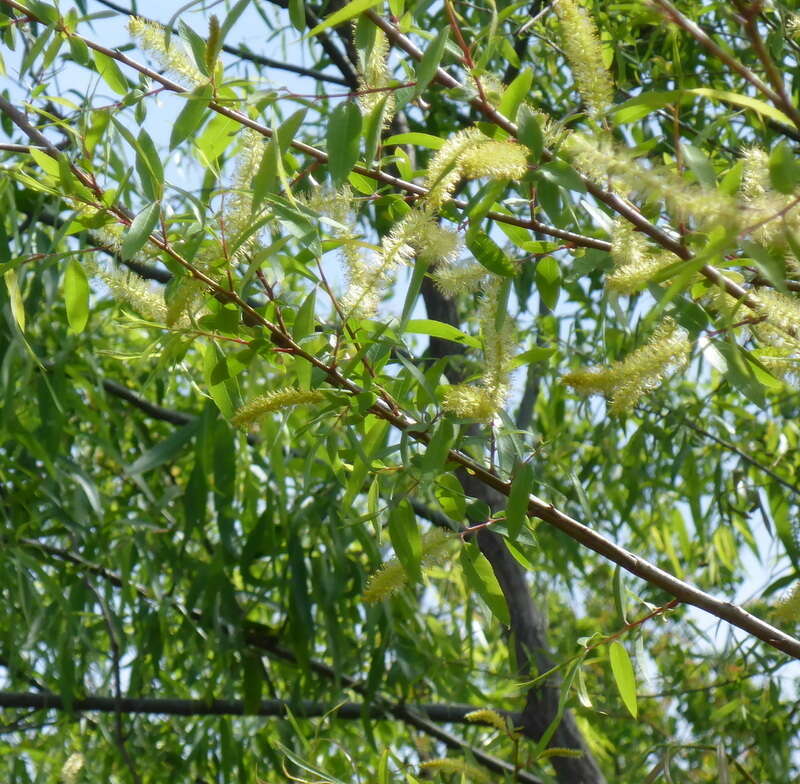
(349, 711)
(313, 152)
(244, 54)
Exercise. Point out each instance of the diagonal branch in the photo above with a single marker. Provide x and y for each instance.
(537, 507)
(244, 54)
(313, 152)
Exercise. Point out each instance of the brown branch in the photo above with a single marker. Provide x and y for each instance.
(613, 201)
(313, 152)
(537, 507)
(244, 54)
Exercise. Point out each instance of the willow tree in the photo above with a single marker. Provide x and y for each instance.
(434, 423)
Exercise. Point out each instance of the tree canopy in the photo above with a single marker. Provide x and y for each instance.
(399, 391)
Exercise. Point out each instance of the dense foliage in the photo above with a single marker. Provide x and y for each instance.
(326, 415)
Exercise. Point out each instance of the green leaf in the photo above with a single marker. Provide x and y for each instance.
(760, 107)
(76, 296)
(416, 138)
(771, 265)
(149, 166)
(426, 67)
(517, 506)
(481, 579)
(548, 281)
(784, 168)
(15, 299)
(110, 71)
(515, 94)
(699, 164)
(561, 173)
(297, 14)
(529, 132)
(438, 329)
(167, 450)
(191, 116)
(441, 442)
(343, 137)
(406, 539)
(622, 669)
(489, 254)
(353, 8)
(139, 230)
(46, 163)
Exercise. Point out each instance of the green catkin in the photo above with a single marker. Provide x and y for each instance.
(448, 766)
(635, 262)
(391, 577)
(277, 400)
(482, 402)
(486, 716)
(469, 154)
(370, 275)
(642, 371)
(584, 53)
(173, 58)
(238, 215)
(788, 608)
(374, 75)
(129, 288)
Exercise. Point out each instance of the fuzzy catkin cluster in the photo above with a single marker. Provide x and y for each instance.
(642, 371)
(482, 402)
(585, 55)
(374, 76)
(600, 159)
(127, 287)
(277, 400)
(391, 577)
(469, 154)
(172, 58)
(635, 262)
(369, 276)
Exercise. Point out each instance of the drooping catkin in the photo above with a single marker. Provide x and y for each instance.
(642, 371)
(129, 288)
(374, 76)
(173, 58)
(581, 44)
(469, 154)
(391, 577)
(635, 262)
(483, 401)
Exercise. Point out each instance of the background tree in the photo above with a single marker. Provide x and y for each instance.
(303, 439)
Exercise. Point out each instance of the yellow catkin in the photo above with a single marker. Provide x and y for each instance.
(374, 75)
(173, 58)
(782, 325)
(788, 608)
(584, 53)
(237, 216)
(277, 400)
(455, 279)
(391, 577)
(642, 371)
(72, 768)
(600, 159)
(484, 401)
(486, 716)
(129, 288)
(471, 773)
(635, 262)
